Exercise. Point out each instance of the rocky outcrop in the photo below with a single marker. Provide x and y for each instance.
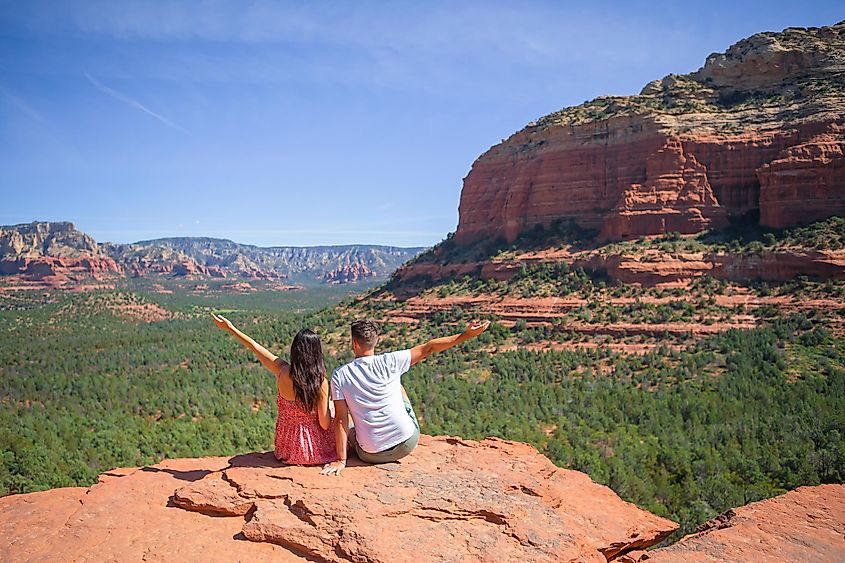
(37, 239)
(676, 197)
(349, 274)
(758, 131)
(807, 524)
(126, 516)
(451, 500)
(805, 181)
(98, 267)
(55, 253)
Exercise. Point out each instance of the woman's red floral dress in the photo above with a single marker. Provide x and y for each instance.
(299, 438)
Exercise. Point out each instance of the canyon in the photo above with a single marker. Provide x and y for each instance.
(58, 255)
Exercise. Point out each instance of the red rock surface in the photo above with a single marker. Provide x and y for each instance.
(450, 500)
(806, 181)
(807, 524)
(648, 268)
(676, 197)
(627, 177)
(42, 267)
(238, 287)
(127, 516)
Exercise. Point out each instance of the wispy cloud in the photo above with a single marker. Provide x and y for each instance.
(21, 105)
(131, 102)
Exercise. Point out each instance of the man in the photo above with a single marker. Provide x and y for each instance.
(369, 388)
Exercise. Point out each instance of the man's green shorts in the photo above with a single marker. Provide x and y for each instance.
(398, 451)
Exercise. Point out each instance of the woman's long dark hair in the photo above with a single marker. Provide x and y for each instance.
(307, 368)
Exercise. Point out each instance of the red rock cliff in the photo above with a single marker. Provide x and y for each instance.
(759, 129)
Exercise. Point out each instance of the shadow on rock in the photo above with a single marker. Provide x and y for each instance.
(181, 475)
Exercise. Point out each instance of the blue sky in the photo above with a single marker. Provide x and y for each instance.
(277, 123)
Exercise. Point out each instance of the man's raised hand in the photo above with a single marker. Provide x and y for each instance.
(476, 328)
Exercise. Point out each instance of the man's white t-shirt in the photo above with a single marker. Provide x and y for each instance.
(372, 389)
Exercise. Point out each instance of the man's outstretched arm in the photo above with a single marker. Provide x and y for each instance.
(439, 344)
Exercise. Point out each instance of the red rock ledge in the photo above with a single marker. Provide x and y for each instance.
(807, 524)
(453, 499)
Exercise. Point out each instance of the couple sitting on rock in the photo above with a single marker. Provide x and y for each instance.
(368, 390)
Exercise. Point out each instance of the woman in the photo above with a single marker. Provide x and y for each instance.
(304, 433)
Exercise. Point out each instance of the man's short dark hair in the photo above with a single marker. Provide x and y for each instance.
(365, 333)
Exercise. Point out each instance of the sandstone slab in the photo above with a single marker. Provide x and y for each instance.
(451, 500)
(127, 516)
(807, 524)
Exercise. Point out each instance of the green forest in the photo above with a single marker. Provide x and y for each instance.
(685, 432)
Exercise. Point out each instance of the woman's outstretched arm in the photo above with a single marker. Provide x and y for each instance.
(268, 359)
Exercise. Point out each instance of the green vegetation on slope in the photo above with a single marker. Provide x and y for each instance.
(686, 433)
(740, 238)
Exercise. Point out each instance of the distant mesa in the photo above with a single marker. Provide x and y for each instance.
(238, 287)
(58, 255)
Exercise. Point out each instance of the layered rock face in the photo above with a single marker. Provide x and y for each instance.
(43, 267)
(757, 130)
(46, 239)
(648, 269)
(451, 500)
(807, 179)
(53, 251)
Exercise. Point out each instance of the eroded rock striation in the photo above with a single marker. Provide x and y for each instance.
(758, 131)
(648, 268)
(349, 274)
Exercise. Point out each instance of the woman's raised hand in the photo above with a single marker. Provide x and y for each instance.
(223, 322)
